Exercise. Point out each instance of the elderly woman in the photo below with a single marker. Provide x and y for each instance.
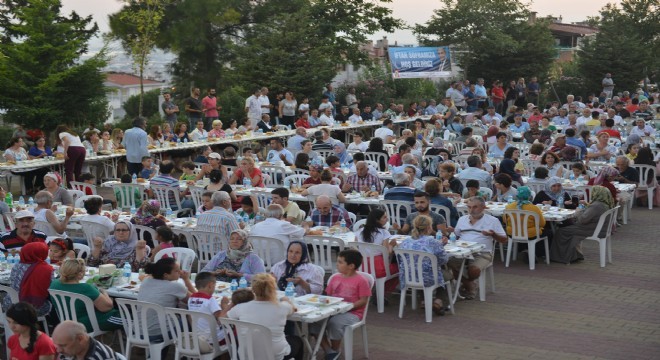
(216, 131)
(247, 168)
(237, 261)
(554, 191)
(72, 272)
(565, 247)
(602, 150)
(52, 182)
(305, 276)
(120, 247)
(44, 213)
(422, 240)
(31, 278)
(605, 176)
(149, 215)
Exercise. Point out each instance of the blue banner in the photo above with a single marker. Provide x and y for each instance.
(420, 62)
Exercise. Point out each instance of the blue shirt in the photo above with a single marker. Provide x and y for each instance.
(473, 173)
(480, 91)
(135, 142)
(524, 127)
(400, 193)
(430, 110)
(36, 152)
(577, 143)
(430, 245)
(376, 115)
(294, 142)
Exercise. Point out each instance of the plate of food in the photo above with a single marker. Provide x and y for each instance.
(314, 299)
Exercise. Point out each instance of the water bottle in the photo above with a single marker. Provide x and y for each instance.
(389, 167)
(612, 160)
(127, 272)
(21, 201)
(373, 188)
(10, 261)
(342, 225)
(9, 199)
(242, 284)
(185, 141)
(560, 202)
(509, 199)
(452, 239)
(581, 206)
(31, 202)
(234, 285)
(438, 235)
(133, 210)
(246, 218)
(168, 213)
(3, 261)
(134, 179)
(258, 218)
(571, 177)
(48, 260)
(290, 290)
(247, 182)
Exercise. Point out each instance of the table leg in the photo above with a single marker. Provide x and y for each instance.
(454, 296)
(303, 330)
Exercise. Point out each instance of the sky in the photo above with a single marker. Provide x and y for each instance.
(410, 11)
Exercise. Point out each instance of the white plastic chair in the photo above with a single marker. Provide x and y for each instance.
(324, 153)
(64, 303)
(442, 210)
(162, 194)
(271, 251)
(196, 195)
(183, 324)
(397, 211)
(410, 263)
(263, 198)
(91, 230)
(369, 252)
(519, 220)
(135, 318)
(607, 219)
(82, 251)
(530, 166)
(322, 247)
(647, 181)
(80, 202)
(142, 230)
(350, 329)
(83, 186)
(584, 192)
(45, 227)
(75, 194)
(246, 340)
(377, 157)
(13, 295)
(536, 187)
(296, 180)
(184, 256)
(126, 194)
(206, 244)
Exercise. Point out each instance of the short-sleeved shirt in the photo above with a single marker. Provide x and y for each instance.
(42, 347)
(205, 303)
(91, 292)
(62, 195)
(74, 140)
(255, 172)
(194, 104)
(330, 190)
(351, 289)
(10, 240)
(472, 232)
(269, 314)
(96, 351)
(293, 210)
(162, 292)
(437, 219)
(169, 105)
(169, 181)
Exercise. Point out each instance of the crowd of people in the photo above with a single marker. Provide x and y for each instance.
(444, 157)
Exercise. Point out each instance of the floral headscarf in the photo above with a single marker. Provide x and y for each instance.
(548, 188)
(147, 212)
(237, 256)
(602, 194)
(604, 173)
(523, 196)
(120, 250)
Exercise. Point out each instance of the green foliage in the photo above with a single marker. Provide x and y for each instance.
(6, 133)
(233, 105)
(43, 83)
(630, 59)
(491, 39)
(150, 100)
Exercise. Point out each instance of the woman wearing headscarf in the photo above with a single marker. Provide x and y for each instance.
(237, 261)
(31, 278)
(297, 269)
(553, 191)
(566, 245)
(523, 202)
(149, 215)
(632, 139)
(508, 166)
(120, 247)
(438, 144)
(340, 151)
(604, 178)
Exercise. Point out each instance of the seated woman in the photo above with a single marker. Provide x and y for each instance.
(52, 184)
(505, 191)
(422, 240)
(266, 302)
(31, 278)
(432, 187)
(44, 213)
(59, 250)
(326, 187)
(237, 261)
(247, 168)
(580, 172)
(27, 342)
(568, 239)
(72, 272)
(219, 183)
(302, 161)
(162, 287)
(305, 276)
(553, 191)
(551, 161)
(373, 232)
(314, 176)
(15, 152)
(508, 166)
(606, 175)
(451, 186)
(340, 152)
(93, 207)
(523, 202)
(149, 215)
(120, 247)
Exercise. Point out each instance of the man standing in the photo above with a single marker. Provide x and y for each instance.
(533, 91)
(253, 109)
(211, 108)
(480, 228)
(135, 143)
(265, 102)
(219, 220)
(170, 109)
(351, 100)
(194, 108)
(24, 232)
(480, 93)
(608, 85)
(330, 94)
(73, 343)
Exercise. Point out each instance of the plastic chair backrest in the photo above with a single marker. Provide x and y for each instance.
(442, 210)
(126, 194)
(92, 230)
(369, 252)
(324, 153)
(277, 173)
(162, 194)
(359, 224)
(82, 186)
(296, 180)
(135, 318)
(584, 191)
(271, 251)
(322, 250)
(75, 194)
(183, 326)
(377, 157)
(80, 202)
(207, 244)
(301, 172)
(45, 227)
(64, 302)
(397, 210)
(246, 340)
(196, 195)
(184, 256)
(142, 230)
(263, 198)
(607, 217)
(411, 264)
(646, 175)
(82, 251)
(520, 221)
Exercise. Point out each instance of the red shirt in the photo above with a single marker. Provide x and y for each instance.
(535, 118)
(210, 104)
(498, 94)
(42, 347)
(303, 123)
(612, 133)
(395, 160)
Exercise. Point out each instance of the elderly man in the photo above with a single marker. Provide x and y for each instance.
(265, 124)
(135, 142)
(627, 174)
(327, 214)
(562, 118)
(219, 220)
(326, 118)
(408, 160)
(23, 234)
(584, 119)
(275, 227)
(480, 228)
(559, 145)
(402, 191)
(295, 142)
(362, 180)
(423, 206)
(73, 343)
(474, 172)
(642, 129)
(292, 212)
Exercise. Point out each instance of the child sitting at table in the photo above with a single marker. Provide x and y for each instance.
(353, 288)
(472, 189)
(120, 194)
(247, 208)
(148, 170)
(203, 301)
(241, 296)
(59, 250)
(89, 178)
(166, 239)
(188, 168)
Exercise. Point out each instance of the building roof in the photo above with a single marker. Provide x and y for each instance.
(572, 29)
(123, 79)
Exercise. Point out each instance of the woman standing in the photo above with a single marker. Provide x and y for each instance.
(31, 278)
(74, 153)
(305, 276)
(27, 343)
(287, 109)
(237, 261)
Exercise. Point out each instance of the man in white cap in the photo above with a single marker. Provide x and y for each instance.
(23, 234)
(215, 163)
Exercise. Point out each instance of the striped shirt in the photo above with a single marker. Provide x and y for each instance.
(96, 351)
(358, 182)
(336, 213)
(169, 181)
(217, 220)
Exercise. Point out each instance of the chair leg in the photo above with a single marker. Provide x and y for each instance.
(365, 342)
(531, 254)
(609, 249)
(502, 252)
(649, 195)
(492, 278)
(413, 298)
(547, 251)
(602, 245)
(380, 295)
(482, 287)
(428, 299)
(450, 294)
(402, 302)
(348, 343)
(509, 249)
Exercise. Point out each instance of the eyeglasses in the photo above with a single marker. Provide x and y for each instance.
(121, 230)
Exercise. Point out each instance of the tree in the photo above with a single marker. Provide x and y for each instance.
(626, 45)
(145, 19)
(43, 82)
(491, 39)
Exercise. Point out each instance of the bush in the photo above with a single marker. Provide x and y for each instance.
(149, 106)
(6, 133)
(232, 101)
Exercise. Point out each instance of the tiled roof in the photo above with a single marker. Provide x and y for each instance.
(123, 79)
(580, 30)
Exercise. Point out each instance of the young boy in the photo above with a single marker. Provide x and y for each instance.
(241, 296)
(88, 178)
(472, 189)
(247, 208)
(352, 287)
(147, 168)
(203, 301)
(229, 156)
(188, 168)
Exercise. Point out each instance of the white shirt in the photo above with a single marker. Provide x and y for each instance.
(362, 147)
(324, 189)
(197, 135)
(495, 119)
(254, 107)
(73, 140)
(263, 100)
(323, 106)
(472, 232)
(354, 118)
(383, 133)
(100, 219)
(198, 302)
(642, 132)
(378, 238)
(326, 120)
(270, 315)
(582, 121)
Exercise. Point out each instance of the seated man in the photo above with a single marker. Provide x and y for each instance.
(165, 179)
(423, 206)
(275, 227)
(474, 172)
(402, 191)
(483, 229)
(279, 153)
(362, 180)
(627, 174)
(327, 214)
(72, 342)
(265, 124)
(23, 234)
(292, 212)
